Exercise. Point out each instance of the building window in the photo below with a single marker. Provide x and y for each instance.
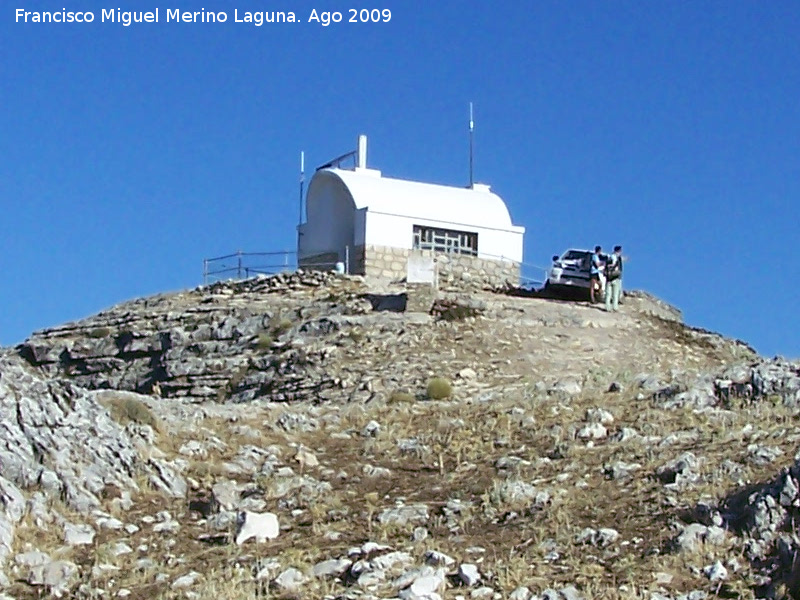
(445, 240)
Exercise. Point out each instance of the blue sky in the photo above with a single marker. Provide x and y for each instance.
(129, 154)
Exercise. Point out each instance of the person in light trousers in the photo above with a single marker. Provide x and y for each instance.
(597, 277)
(614, 279)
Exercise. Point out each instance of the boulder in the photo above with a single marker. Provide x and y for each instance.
(469, 574)
(261, 526)
(290, 580)
(78, 535)
(403, 515)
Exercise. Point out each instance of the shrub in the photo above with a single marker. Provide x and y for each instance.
(398, 397)
(455, 310)
(357, 335)
(276, 327)
(237, 377)
(280, 326)
(439, 388)
(126, 410)
(264, 341)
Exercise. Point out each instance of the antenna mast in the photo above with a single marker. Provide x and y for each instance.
(302, 182)
(471, 143)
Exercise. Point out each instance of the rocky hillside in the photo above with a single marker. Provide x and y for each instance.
(306, 436)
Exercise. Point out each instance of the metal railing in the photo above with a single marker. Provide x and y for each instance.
(242, 265)
(336, 163)
(532, 276)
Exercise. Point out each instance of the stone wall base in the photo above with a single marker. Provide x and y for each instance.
(454, 270)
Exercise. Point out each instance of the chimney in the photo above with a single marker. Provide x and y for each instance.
(362, 152)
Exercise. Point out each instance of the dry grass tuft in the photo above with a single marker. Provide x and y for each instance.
(398, 397)
(264, 340)
(280, 325)
(99, 332)
(125, 409)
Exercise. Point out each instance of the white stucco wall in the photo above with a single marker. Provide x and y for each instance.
(330, 224)
(361, 207)
(398, 232)
(360, 237)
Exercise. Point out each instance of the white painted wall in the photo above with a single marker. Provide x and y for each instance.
(330, 224)
(361, 207)
(398, 232)
(360, 227)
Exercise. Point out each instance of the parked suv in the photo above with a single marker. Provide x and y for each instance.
(570, 271)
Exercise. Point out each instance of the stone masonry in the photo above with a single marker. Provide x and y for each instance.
(454, 270)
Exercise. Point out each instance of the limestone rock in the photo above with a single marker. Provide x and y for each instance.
(468, 574)
(225, 494)
(306, 458)
(403, 515)
(290, 580)
(716, 572)
(680, 471)
(63, 439)
(514, 491)
(567, 387)
(761, 455)
(331, 568)
(467, 374)
(436, 558)
(185, 581)
(78, 535)
(695, 534)
(371, 429)
(12, 503)
(621, 469)
(54, 575)
(599, 415)
(592, 431)
(603, 537)
(261, 526)
(307, 358)
(521, 593)
(423, 584)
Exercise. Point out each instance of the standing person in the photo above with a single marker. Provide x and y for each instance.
(614, 279)
(596, 273)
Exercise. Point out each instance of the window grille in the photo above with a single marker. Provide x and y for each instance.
(445, 240)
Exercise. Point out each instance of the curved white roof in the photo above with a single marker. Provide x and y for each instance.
(458, 206)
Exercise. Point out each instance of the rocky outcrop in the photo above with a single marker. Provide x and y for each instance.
(760, 380)
(648, 303)
(308, 336)
(225, 341)
(759, 522)
(57, 439)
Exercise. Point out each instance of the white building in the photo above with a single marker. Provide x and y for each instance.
(374, 223)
